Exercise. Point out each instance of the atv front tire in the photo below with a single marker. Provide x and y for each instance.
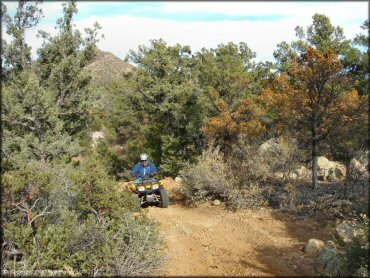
(165, 201)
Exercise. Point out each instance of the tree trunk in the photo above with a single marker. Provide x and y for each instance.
(314, 163)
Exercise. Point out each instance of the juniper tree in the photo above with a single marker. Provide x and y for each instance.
(170, 100)
(16, 55)
(60, 68)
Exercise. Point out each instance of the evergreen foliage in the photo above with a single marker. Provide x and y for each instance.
(203, 115)
(59, 213)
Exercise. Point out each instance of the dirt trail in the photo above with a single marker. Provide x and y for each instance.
(211, 241)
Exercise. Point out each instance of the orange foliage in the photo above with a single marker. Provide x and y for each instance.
(228, 125)
(315, 94)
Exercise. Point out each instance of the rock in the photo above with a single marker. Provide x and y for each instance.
(270, 145)
(301, 172)
(96, 137)
(337, 172)
(361, 272)
(313, 247)
(323, 163)
(216, 202)
(345, 231)
(329, 170)
(330, 262)
(178, 179)
(279, 175)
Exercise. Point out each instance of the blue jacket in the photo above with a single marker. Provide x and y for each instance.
(142, 171)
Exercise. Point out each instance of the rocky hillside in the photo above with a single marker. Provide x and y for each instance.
(108, 67)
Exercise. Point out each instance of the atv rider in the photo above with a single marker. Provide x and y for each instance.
(145, 169)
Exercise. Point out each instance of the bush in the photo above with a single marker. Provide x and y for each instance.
(213, 178)
(208, 179)
(244, 178)
(83, 222)
(137, 245)
(122, 247)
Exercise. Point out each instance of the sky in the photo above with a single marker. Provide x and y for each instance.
(262, 25)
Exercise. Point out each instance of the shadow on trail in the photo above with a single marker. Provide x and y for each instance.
(290, 258)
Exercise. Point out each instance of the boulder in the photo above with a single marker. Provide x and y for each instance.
(329, 170)
(96, 136)
(280, 175)
(270, 145)
(330, 262)
(301, 172)
(345, 231)
(216, 202)
(314, 247)
(337, 172)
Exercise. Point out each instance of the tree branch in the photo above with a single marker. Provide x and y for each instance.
(44, 212)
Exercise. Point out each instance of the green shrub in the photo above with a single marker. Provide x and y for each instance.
(83, 205)
(122, 247)
(137, 245)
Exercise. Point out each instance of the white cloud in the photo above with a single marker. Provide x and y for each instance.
(123, 33)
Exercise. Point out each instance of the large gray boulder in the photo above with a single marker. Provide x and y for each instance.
(314, 247)
(345, 231)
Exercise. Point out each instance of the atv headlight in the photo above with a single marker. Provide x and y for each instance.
(155, 186)
(141, 188)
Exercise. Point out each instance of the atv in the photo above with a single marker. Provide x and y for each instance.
(150, 191)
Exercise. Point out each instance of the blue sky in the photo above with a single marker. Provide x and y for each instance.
(262, 25)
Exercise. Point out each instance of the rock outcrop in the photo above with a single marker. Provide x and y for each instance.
(329, 170)
(345, 231)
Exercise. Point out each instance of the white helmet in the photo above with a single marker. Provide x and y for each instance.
(143, 156)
